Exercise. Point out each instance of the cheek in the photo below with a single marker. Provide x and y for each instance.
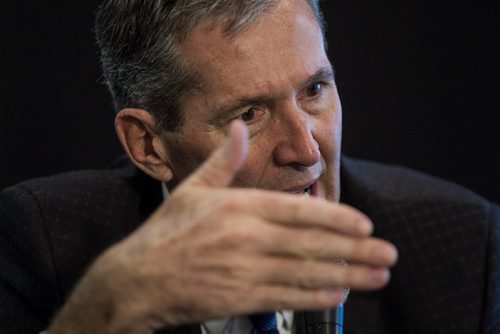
(258, 164)
(187, 154)
(328, 133)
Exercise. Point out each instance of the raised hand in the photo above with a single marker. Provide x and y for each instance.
(212, 251)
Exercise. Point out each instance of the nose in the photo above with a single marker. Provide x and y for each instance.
(296, 145)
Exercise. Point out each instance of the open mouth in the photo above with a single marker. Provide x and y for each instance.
(307, 191)
(310, 189)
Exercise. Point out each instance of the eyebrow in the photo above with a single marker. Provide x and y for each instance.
(222, 113)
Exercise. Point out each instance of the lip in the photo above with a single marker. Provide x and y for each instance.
(300, 188)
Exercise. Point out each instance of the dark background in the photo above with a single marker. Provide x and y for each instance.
(418, 82)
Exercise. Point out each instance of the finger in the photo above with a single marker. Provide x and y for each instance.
(318, 244)
(298, 210)
(256, 235)
(261, 237)
(219, 169)
(314, 274)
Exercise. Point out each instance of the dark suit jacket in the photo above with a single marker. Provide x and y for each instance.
(447, 279)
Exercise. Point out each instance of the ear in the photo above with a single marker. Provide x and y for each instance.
(141, 138)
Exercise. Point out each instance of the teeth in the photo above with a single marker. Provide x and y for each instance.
(307, 192)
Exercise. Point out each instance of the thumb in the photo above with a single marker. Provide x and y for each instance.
(219, 169)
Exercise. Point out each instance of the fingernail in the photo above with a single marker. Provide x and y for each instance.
(380, 275)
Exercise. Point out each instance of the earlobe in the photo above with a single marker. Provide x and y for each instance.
(141, 139)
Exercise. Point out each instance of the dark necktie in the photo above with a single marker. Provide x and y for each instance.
(264, 323)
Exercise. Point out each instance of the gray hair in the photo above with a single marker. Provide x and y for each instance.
(140, 43)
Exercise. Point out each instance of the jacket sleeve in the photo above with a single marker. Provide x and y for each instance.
(491, 324)
(29, 292)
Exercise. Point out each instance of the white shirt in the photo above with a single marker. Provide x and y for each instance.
(241, 325)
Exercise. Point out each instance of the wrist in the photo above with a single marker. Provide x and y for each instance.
(101, 302)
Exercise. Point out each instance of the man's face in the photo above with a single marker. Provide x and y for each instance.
(276, 77)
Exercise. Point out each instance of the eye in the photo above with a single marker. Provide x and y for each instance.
(248, 115)
(251, 115)
(314, 90)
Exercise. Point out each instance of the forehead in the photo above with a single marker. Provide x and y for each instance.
(284, 46)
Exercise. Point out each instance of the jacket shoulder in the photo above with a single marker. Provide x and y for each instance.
(377, 181)
(77, 215)
(77, 182)
(119, 188)
(446, 236)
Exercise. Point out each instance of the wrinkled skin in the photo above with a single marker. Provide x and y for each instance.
(293, 111)
(230, 240)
